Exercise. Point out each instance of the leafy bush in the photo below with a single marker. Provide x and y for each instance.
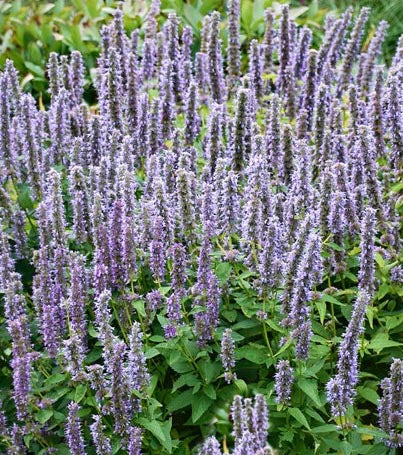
(200, 244)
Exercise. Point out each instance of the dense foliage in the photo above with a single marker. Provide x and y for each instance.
(201, 248)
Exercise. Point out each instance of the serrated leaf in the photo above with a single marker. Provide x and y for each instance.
(354, 251)
(321, 306)
(24, 199)
(81, 390)
(255, 353)
(151, 352)
(297, 414)
(330, 299)
(334, 246)
(223, 271)
(210, 391)
(179, 364)
(230, 315)
(372, 431)
(159, 429)
(369, 311)
(379, 260)
(36, 69)
(329, 428)
(209, 370)
(310, 388)
(58, 393)
(368, 394)
(180, 401)
(382, 290)
(188, 379)
(43, 415)
(55, 378)
(382, 341)
(283, 348)
(200, 405)
(245, 324)
(241, 386)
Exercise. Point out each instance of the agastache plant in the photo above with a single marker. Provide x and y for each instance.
(212, 210)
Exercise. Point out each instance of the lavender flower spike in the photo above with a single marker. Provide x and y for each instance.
(210, 447)
(390, 407)
(283, 382)
(366, 273)
(73, 431)
(233, 55)
(341, 388)
(216, 73)
(102, 443)
(227, 355)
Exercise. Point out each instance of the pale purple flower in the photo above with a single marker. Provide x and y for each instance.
(102, 443)
(284, 379)
(390, 407)
(74, 435)
(228, 355)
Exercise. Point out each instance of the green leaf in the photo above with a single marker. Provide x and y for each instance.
(330, 299)
(188, 379)
(382, 291)
(283, 348)
(179, 364)
(379, 260)
(210, 391)
(274, 326)
(298, 11)
(368, 394)
(325, 429)
(245, 324)
(81, 390)
(139, 307)
(209, 370)
(247, 14)
(241, 386)
(180, 401)
(297, 414)
(394, 321)
(161, 430)
(382, 341)
(24, 199)
(310, 388)
(369, 311)
(44, 415)
(346, 447)
(321, 306)
(58, 393)
(354, 251)
(223, 271)
(37, 70)
(192, 16)
(334, 246)
(372, 431)
(152, 352)
(55, 378)
(255, 353)
(230, 315)
(200, 405)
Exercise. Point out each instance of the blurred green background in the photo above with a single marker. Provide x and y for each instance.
(30, 30)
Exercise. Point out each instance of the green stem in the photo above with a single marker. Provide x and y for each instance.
(266, 338)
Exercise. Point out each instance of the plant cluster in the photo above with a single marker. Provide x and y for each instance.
(208, 260)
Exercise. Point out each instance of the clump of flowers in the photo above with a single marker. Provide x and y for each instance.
(220, 188)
